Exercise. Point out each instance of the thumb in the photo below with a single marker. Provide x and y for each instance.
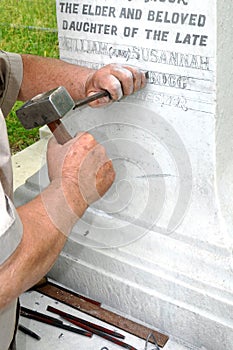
(52, 142)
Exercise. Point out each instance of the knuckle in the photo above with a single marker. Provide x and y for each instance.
(87, 138)
(112, 66)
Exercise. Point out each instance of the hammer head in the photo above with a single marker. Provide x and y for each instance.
(45, 108)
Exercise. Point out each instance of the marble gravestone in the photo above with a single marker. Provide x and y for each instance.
(158, 246)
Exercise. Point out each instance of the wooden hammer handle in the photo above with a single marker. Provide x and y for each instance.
(59, 131)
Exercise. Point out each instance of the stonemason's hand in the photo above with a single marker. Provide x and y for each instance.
(81, 164)
(118, 80)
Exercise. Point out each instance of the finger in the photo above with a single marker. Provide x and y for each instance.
(139, 78)
(87, 139)
(79, 134)
(130, 79)
(105, 177)
(100, 101)
(125, 79)
(117, 80)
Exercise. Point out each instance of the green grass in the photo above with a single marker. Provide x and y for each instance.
(20, 32)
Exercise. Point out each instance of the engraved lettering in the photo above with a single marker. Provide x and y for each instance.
(191, 39)
(103, 11)
(176, 18)
(141, 54)
(130, 13)
(89, 27)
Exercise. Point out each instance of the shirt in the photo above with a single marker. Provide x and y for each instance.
(11, 72)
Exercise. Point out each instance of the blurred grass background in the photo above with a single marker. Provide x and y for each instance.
(27, 26)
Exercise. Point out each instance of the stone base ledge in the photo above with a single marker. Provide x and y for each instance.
(174, 303)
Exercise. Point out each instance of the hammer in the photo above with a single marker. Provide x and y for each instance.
(49, 107)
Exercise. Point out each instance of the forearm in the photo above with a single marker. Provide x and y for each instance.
(42, 74)
(42, 242)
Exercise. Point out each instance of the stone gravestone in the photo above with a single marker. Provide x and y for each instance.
(158, 246)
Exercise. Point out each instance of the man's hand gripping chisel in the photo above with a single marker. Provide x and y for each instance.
(49, 107)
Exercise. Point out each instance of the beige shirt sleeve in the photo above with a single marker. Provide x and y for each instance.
(11, 74)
